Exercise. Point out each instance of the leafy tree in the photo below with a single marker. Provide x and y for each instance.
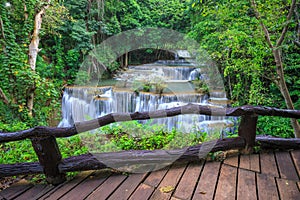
(231, 33)
(21, 26)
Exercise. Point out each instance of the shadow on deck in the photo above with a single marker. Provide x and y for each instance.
(273, 175)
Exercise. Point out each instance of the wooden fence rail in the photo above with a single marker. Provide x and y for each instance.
(54, 167)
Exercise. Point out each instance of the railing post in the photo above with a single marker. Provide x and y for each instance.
(49, 157)
(247, 130)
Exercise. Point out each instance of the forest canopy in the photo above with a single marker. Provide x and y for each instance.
(256, 45)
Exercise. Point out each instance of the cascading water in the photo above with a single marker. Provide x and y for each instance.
(80, 104)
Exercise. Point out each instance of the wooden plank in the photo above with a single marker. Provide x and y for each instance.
(156, 177)
(59, 191)
(207, 182)
(104, 190)
(266, 187)
(246, 189)
(188, 181)
(128, 186)
(245, 162)
(46, 190)
(232, 161)
(86, 187)
(254, 162)
(268, 164)
(226, 186)
(288, 189)
(142, 192)
(296, 158)
(170, 181)
(35, 192)
(286, 166)
(16, 189)
(250, 162)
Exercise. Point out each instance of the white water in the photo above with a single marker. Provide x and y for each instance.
(80, 104)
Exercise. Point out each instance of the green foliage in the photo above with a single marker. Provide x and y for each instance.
(17, 152)
(134, 135)
(200, 86)
(22, 151)
(154, 82)
(230, 33)
(233, 37)
(275, 126)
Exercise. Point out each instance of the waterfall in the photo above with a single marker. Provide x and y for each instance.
(84, 103)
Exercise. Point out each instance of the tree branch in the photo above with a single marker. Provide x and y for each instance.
(297, 43)
(2, 27)
(285, 28)
(264, 28)
(120, 117)
(3, 97)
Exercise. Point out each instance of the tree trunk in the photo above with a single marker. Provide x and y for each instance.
(3, 97)
(280, 81)
(126, 59)
(33, 52)
(284, 90)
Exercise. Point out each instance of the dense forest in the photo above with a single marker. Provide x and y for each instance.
(255, 43)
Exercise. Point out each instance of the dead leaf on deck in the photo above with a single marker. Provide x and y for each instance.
(167, 189)
(202, 192)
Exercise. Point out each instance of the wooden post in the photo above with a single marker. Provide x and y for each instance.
(247, 130)
(49, 156)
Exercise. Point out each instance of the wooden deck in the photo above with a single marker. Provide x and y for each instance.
(264, 176)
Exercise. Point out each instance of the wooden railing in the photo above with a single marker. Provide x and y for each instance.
(54, 167)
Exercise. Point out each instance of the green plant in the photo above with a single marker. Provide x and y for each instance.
(275, 126)
(200, 86)
(158, 83)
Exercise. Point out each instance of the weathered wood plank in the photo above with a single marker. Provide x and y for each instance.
(226, 187)
(286, 166)
(16, 189)
(143, 191)
(296, 158)
(288, 190)
(170, 181)
(45, 191)
(250, 162)
(104, 190)
(188, 181)
(86, 187)
(232, 161)
(268, 164)
(245, 162)
(254, 162)
(246, 189)
(266, 187)
(156, 177)
(65, 187)
(128, 186)
(35, 192)
(207, 182)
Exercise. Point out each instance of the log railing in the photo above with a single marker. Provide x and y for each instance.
(54, 167)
